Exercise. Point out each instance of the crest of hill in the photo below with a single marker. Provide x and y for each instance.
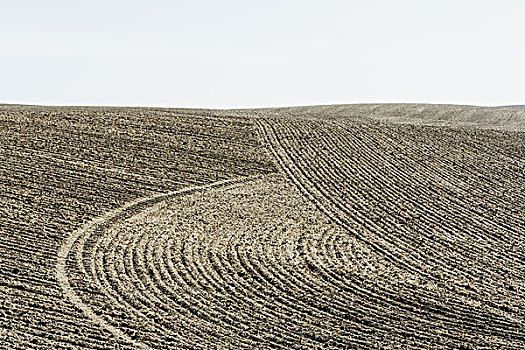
(516, 106)
(499, 118)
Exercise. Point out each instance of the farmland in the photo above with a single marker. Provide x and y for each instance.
(366, 226)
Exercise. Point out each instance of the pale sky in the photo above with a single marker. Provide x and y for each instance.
(232, 54)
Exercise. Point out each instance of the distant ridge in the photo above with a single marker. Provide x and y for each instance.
(506, 118)
(498, 118)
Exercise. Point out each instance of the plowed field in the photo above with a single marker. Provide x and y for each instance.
(366, 227)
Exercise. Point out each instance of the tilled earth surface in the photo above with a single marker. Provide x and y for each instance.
(381, 226)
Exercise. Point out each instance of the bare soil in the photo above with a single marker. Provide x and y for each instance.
(365, 226)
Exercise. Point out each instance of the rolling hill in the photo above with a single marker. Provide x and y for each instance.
(350, 226)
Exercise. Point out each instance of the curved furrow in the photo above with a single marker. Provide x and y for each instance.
(76, 242)
(354, 214)
(472, 248)
(325, 170)
(427, 217)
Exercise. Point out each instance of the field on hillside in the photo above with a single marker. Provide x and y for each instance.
(366, 227)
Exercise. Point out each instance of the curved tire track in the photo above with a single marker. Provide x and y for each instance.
(85, 231)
